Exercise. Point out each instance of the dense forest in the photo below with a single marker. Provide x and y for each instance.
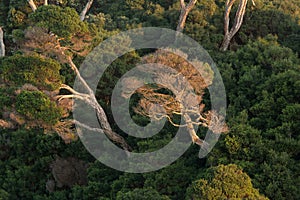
(255, 45)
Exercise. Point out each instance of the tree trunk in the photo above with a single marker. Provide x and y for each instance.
(238, 20)
(191, 130)
(32, 5)
(86, 9)
(2, 46)
(226, 42)
(182, 20)
(184, 13)
(45, 2)
(91, 100)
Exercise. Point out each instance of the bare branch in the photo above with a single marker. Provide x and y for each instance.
(182, 4)
(86, 9)
(70, 96)
(81, 79)
(110, 134)
(2, 45)
(66, 87)
(184, 11)
(32, 5)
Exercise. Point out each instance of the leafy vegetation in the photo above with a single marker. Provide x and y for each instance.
(257, 159)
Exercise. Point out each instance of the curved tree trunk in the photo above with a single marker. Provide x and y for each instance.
(185, 9)
(86, 9)
(32, 5)
(238, 20)
(91, 100)
(2, 46)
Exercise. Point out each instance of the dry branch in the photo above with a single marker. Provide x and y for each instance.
(32, 5)
(2, 45)
(184, 11)
(85, 10)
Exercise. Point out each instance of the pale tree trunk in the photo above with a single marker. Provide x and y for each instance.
(185, 9)
(238, 20)
(90, 99)
(2, 46)
(191, 130)
(45, 2)
(32, 5)
(86, 9)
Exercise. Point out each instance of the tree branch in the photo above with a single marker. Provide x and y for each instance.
(184, 11)
(66, 87)
(32, 5)
(2, 45)
(109, 133)
(85, 10)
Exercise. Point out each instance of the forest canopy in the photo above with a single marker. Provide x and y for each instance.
(255, 45)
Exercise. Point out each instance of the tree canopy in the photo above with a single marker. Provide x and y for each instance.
(42, 46)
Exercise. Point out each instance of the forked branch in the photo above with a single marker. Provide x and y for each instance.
(184, 11)
(238, 20)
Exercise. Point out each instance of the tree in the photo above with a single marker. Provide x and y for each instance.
(50, 45)
(224, 182)
(238, 20)
(82, 14)
(180, 100)
(63, 22)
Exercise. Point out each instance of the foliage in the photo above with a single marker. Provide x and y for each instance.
(36, 106)
(64, 22)
(224, 182)
(261, 74)
(41, 72)
(141, 194)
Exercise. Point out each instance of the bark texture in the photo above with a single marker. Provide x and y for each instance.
(184, 12)
(238, 20)
(85, 10)
(2, 45)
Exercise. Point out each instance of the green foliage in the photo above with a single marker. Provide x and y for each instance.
(278, 17)
(224, 182)
(25, 159)
(141, 194)
(41, 72)
(261, 76)
(5, 98)
(35, 105)
(171, 181)
(64, 22)
(126, 183)
(3, 195)
(4, 6)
